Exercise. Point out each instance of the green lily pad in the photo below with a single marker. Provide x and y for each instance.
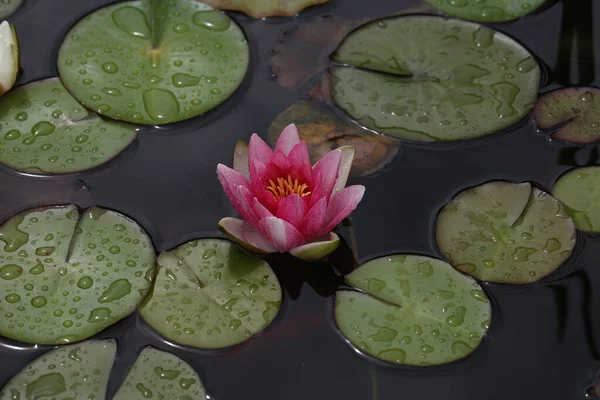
(505, 232)
(487, 10)
(78, 371)
(425, 93)
(46, 131)
(8, 7)
(161, 375)
(415, 310)
(209, 293)
(575, 110)
(65, 277)
(579, 190)
(265, 8)
(109, 63)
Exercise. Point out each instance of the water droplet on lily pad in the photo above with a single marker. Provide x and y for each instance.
(103, 295)
(407, 326)
(164, 375)
(156, 90)
(79, 371)
(482, 11)
(193, 284)
(508, 224)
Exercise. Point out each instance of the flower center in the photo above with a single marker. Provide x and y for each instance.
(285, 187)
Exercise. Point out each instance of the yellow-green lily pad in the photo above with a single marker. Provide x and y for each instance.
(79, 371)
(8, 7)
(209, 293)
(265, 8)
(486, 10)
(413, 310)
(161, 375)
(65, 277)
(579, 191)
(153, 62)
(505, 232)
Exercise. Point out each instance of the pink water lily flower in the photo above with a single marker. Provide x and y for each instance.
(287, 204)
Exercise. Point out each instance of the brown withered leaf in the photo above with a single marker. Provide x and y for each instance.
(324, 131)
(264, 8)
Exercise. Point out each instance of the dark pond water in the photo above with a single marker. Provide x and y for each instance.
(544, 342)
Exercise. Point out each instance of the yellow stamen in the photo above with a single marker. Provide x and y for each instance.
(285, 187)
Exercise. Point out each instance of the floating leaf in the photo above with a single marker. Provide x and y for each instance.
(64, 278)
(579, 191)
(576, 111)
(45, 131)
(425, 93)
(8, 7)
(108, 62)
(486, 11)
(78, 371)
(265, 8)
(505, 232)
(161, 375)
(416, 311)
(9, 56)
(209, 293)
(324, 131)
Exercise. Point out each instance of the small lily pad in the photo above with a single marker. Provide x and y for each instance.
(78, 371)
(8, 7)
(65, 277)
(323, 131)
(109, 63)
(161, 375)
(46, 131)
(487, 10)
(575, 111)
(414, 310)
(210, 294)
(505, 232)
(265, 8)
(425, 93)
(579, 190)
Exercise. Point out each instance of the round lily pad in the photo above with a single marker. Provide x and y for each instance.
(78, 371)
(579, 191)
(487, 10)
(265, 8)
(161, 375)
(413, 310)
(426, 93)
(505, 232)
(65, 277)
(46, 131)
(575, 111)
(7, 7)
(153, 66)
(209, 293)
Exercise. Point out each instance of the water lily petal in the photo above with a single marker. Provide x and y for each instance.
(292, 209)
(240, 158)
(318, 249)
(230, 180)
(283, 235)
(325, 173)
(345, 166)
(341, 205)
(288, 139)
(299, 156)
(258, 150)
(314, 219)
(259, 210)
(246, 235)
(243, 205)
(281, 161)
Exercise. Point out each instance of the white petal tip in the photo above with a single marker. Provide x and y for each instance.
(9, 57)
(232, 227)
(317, 250)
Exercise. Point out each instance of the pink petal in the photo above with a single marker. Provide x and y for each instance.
(258, 150)
(283, 235)
(287, 140)
(243, 205)
(246, 235)
(341, 205)
(299, 157)
(325, 172)
(314, 218)
(281, 161)
(259, 210)
(231, 180)
(292, 209)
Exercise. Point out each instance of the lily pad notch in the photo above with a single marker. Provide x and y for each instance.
(412, 310)
(211, 294)
(154, 62)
